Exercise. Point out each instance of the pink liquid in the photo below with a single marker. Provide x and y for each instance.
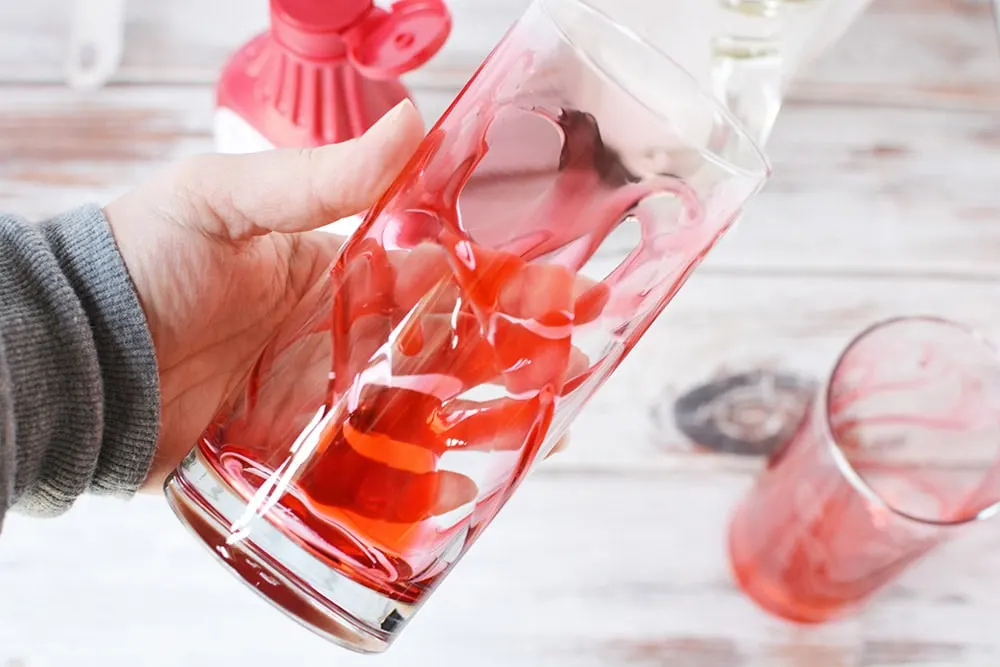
(807, 545)
(815, 568)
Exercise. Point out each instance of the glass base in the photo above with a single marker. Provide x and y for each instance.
(769, 597)
(279, 569)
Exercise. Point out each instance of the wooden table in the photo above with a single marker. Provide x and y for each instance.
(885, 200)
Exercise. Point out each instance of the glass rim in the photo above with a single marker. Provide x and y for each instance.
(844, 466)
(718, 107)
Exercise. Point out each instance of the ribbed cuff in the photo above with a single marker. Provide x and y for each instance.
(83, 243)
(79, 388)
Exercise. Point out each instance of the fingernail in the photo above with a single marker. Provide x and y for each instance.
(396, 112)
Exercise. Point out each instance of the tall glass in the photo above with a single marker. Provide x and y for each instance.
(748, 52)
(899, 454)
(545, 221)
(759, 47)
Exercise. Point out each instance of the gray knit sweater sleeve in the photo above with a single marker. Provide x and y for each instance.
(79, 390)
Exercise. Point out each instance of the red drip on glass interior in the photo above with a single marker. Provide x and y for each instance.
(451, 346)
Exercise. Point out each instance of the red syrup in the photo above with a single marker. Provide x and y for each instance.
(810, 545)
(811, 550)
(451, 341)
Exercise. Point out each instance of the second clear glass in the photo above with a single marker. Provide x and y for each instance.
(898, 454)
(547, 218)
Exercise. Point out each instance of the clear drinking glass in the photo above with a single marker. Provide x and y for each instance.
(545, 221)
(748, 52)
(898, 454)
(758, 47)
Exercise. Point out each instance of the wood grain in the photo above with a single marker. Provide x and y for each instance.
(63, 148)
(613, 553)
(592, 570)
(723, 323)
(910, 52)
(876, 190)
(886, 212)
(882, 191)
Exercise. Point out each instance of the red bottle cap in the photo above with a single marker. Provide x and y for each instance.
(380, 44)
(402, 40)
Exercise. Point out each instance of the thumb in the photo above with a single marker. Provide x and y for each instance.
(290, 190)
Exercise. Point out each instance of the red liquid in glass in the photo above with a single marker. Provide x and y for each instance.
(819, 571)
(403, 465)
(373, 497)
(809, 547)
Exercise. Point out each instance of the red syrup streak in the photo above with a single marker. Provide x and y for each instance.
(806, 543)
(451, 343)
(811, 549)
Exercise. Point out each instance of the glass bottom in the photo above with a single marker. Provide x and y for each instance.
(281, 571)
(770, 596)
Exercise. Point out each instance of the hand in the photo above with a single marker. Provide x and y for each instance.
(221, 248)
(214, 249)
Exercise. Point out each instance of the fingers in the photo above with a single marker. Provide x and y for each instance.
(559, 446)
(297, 190)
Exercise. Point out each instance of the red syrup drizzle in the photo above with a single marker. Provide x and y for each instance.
(807, 543)
(403, 465)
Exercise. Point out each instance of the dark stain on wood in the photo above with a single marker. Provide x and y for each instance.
(752, 413)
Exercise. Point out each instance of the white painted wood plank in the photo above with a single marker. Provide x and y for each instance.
(589, 570)
(873, 224)
(723, 323)
(641, 576)
(62, 148)
(188, 41)
(912, 52)
(877, 191)
(901, 51)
